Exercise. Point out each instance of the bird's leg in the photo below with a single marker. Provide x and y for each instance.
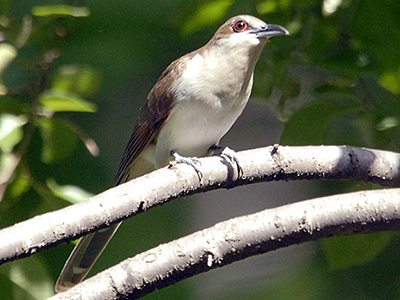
(191, 161)
(228, 154)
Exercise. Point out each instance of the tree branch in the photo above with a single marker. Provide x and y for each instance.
(161, 186)
(242, 237)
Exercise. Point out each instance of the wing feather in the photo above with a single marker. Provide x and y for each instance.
(152, 117)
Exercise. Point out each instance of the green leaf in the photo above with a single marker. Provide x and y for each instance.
(207, 14)
(7, 162)
(81, 80)
(349, 251)
(377, 97)
(309, 124)
(70, 193)
(7, 54)
(11, 132)
(390, 80)
(60, 10)
(388, 123)
(28, 278)
(267, 7)
(21, 183)
(347, 130)
(58, 140)
(11, 106)
(57, 101)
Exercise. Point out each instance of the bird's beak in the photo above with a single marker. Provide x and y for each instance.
(271, 30)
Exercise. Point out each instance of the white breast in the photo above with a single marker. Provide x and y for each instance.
(209, 96)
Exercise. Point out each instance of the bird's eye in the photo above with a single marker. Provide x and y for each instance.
(239, 25)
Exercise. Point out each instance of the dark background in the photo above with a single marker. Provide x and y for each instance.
(334, 80)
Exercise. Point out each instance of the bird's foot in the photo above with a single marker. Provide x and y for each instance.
(191, 161)
(230, 155)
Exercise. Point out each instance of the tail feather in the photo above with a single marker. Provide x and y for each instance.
(89, 248)
(83, 257)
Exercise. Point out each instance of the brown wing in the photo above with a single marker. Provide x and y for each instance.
(152, 117)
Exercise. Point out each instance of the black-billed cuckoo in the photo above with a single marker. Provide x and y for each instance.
(194, 103)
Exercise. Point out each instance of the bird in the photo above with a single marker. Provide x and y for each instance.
(194, 103)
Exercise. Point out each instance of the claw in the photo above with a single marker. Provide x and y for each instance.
(191, 161)
(231, 155)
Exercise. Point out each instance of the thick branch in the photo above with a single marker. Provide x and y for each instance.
(240, 238)
(136, 196)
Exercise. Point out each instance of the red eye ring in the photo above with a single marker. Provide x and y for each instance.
(240, 25)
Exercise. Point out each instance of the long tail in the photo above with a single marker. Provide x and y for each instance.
(83, 257)
(89, 248)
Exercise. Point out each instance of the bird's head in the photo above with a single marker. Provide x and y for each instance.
(247, 30)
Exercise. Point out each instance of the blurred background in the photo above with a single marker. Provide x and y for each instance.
(73, 75)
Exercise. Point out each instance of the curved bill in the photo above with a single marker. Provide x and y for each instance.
(272, 30)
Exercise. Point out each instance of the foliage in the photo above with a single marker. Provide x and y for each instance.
(335, 80)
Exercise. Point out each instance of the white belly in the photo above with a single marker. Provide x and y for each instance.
(192, 128)
(208, 98)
